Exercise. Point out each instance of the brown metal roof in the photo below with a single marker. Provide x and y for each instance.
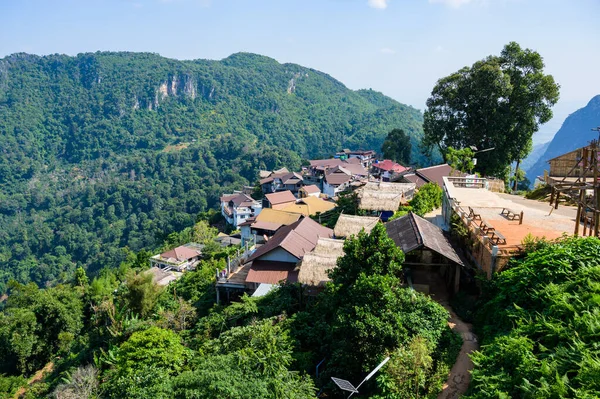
(270, 272)
(338, 177)
(280, 197)
(180, 253)
(310, 189)
(296, 238)
(413, 178)
(435, 173)
(412, 232)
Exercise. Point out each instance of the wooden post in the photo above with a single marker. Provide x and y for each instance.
(557, 196)
(552, 196)
(521, 218)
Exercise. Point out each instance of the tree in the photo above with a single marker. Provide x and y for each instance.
(397, 147)
(141, 293)
(373, 253)
(428, 198)
(498, 102)
(461, 159)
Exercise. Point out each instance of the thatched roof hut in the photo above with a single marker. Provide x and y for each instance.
(348, 225)
(315, 264)
(380, 196)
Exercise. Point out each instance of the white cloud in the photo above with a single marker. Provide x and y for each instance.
(451, 3)
(387, 50)
(380, 4)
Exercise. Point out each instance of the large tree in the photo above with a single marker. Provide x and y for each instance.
(397, 146)
(498, 102)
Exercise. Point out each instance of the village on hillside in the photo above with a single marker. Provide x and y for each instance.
(280, 225)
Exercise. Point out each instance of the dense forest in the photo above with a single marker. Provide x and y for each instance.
(108, 153)
(121, 336)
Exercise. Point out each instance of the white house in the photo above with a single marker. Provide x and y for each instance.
(337, 180)
(238, 207)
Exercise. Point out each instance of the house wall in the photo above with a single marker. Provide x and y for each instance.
(279, 255)
(333, 190)
(562, 165)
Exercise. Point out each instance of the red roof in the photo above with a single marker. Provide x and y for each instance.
(180, 253)
(280, 197)
(389, 165)
(271, 272)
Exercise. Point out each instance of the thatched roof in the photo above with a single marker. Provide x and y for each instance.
(348, 225)
(315, 264)
(379, 201)
(381, 196)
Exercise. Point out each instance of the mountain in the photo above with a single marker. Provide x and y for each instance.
(536, 152)
(574, 133)
(107, 153)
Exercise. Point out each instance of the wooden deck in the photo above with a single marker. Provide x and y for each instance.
(237, 278)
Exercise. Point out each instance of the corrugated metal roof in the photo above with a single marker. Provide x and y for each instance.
(280, 197)
(297, 238)
(435, 173)
(270, 272)
(412, 232)
(180, 253)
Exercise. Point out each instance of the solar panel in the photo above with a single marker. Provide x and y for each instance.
(344, 385)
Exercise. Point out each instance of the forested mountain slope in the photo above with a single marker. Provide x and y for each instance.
(107, 151)
(574, 133)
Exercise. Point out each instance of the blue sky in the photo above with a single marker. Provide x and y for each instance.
(398, 47)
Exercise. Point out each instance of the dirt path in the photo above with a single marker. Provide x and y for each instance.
(563, 210)
(35, 378)
(460, 376)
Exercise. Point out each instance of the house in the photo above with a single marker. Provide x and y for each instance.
(336, 180)
(279, 200)
(432, 174)
(290, 181)
(569, 167)
(314, 266)
(430, 256)
(267, 179)
(365, 157)
(351, 225)
(266, 224)
(310, 206)
(277, 259)
(321, 167)
(309, 191)
(383, 199)
(181, 258)
(238, 207)
(387, 170)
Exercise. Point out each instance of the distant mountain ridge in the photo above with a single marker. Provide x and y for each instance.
(574, 133)
(112, 150)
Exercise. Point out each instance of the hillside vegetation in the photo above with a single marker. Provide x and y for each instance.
(108, 152)
(540, 324)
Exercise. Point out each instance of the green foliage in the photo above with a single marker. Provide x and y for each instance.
(9, 385)
(397, 147)
(460, 159)
(36, 324)
(428, 198)
(539, 321)
(154, 347)
(107, 151)
(373, 253)
(498, 102)
(141, 294)
(246, 362)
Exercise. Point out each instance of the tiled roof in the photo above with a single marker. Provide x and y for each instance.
(280, 197)
(412, 232)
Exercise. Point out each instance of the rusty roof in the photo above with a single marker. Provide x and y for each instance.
(296, 238)
(412, 232)
(280, 197)
(271, 272)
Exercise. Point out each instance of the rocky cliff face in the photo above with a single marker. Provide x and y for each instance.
(575, 133)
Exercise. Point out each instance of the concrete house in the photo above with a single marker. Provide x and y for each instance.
(336, 181)
(237, 208)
